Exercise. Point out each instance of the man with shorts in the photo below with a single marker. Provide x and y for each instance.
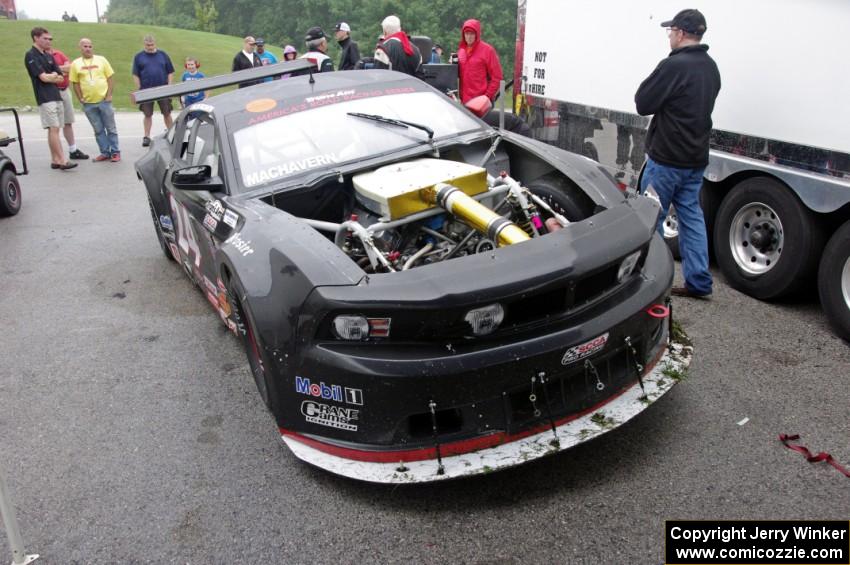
(45, 76)
(152, 67)
(91, 76)
(64, 64)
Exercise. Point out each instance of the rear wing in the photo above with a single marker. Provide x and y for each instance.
(210, 83)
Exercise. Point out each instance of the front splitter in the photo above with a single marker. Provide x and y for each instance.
(657, 381)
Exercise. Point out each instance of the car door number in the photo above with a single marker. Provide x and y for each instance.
(185, 232)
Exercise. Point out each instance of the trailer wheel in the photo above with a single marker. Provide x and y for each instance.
(10, 193)
(834, 281)
(710, 198)
(766, 242)
(671, 233)
(670, 228)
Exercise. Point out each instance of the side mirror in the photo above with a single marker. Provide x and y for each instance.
(197, 178)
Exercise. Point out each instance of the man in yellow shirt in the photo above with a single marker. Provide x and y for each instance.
(91, 76)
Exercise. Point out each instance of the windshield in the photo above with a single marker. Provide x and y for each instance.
(291, 145)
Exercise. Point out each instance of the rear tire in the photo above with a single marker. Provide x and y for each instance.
(10, 193)
(163, 243)
(766, 242)
(834, 281)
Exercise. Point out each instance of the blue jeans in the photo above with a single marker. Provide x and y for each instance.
(102, 118)
(680, 187)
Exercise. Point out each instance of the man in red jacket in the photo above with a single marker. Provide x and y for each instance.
(480, 71)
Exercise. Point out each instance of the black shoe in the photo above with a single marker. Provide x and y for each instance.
(685, 292)
(77, 154)
(64, 166)
(146, 141)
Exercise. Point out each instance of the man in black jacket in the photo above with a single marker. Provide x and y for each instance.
(350, 51)
(317, 51)
(247, 59)
(680, 93)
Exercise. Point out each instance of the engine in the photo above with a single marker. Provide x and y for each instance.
(427, 210)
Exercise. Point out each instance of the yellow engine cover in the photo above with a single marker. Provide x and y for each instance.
(394, 191)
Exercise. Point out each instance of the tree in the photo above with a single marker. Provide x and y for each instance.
(206, 14)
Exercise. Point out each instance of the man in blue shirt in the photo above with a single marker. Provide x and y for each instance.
(265, 56)
(152, 67)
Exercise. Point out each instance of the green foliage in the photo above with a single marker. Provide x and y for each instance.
(206, 15)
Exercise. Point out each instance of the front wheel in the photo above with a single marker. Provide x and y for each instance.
(10, 193)
(247, 333)
(559, 196)
(766, 242)
(834, 281)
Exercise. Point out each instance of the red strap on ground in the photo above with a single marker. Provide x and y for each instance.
(822, 456)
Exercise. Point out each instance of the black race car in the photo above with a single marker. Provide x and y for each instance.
(420, 296)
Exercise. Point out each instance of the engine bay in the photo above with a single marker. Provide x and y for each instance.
(425, 210)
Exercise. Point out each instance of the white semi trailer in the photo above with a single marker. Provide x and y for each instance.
(776, 192)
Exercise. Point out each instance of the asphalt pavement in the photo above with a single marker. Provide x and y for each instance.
(131, 430)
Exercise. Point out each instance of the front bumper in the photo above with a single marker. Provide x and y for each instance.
(510, 450)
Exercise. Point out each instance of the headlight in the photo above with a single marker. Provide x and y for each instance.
(357, 328)
(351, 327)
(485, 320)
(627, 266)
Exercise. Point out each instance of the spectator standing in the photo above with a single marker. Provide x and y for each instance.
(289, 54)
(91, 76)
(152, 67)
(317, 49)
(680, 93)
(64, 64)
(192, 73)
(350, 50)
(436, 54)
(395, 51)
(266, 57)
(247, 59)
(45, 75)
(480, 71)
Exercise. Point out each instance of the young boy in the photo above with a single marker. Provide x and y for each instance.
(192, 73)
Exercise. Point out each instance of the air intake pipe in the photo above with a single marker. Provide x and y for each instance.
(455, 201)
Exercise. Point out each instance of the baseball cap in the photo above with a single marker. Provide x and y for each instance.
(314, 33)
(690, 21)
(260, 41)
(342, 26)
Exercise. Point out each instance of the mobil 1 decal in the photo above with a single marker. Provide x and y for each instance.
(332, 392)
